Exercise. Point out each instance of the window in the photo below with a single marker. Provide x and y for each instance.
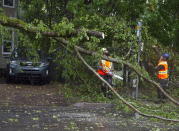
(9, 3)
(7, 47)
(8, 42)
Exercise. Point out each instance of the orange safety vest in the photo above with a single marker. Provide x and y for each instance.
(106, 67)
(163, 74)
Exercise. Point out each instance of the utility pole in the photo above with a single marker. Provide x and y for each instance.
(135, 81)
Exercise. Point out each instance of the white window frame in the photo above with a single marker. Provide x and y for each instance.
(12, 46)
(8, 5)
(3, 52)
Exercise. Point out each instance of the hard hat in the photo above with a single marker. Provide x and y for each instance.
(104, 49)
(166, 55)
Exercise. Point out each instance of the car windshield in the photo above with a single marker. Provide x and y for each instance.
(26, 54)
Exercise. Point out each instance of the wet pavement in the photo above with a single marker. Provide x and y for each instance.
(39, 108)
(55, 119)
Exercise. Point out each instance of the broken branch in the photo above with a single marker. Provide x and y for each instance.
(23, 26)
(133, 68)
(115, 92)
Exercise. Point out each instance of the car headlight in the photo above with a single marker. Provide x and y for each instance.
(43, 64)
(14, 63)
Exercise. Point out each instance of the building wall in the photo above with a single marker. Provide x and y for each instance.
(10, 12)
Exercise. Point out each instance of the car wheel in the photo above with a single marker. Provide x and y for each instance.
(9, 79)
(45, 81)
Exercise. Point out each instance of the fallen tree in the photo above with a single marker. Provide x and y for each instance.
(115, 92)
(21, 25)
(119, 61)
(29, 29)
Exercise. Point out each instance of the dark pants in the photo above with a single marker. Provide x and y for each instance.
(105, 89)
(164, 85)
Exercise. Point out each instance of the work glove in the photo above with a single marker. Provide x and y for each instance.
(110, 73)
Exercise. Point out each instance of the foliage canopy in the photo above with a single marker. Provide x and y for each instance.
(116, 18)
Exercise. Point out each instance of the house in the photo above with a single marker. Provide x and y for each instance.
(7, 42)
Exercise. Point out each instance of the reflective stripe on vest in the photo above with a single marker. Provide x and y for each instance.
(163, 74)
(106, 66)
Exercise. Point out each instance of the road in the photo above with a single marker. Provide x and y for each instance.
(39, 108)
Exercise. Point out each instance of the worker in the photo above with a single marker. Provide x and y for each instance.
(105, 70)
(162, 75)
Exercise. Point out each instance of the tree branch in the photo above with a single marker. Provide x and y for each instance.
(18, 24)
(127, 64)
(133, 68)
(115, 92)
(23, 26)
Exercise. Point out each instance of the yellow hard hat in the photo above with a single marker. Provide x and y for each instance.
(104, 49)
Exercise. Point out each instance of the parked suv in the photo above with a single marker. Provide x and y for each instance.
(28, 65)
